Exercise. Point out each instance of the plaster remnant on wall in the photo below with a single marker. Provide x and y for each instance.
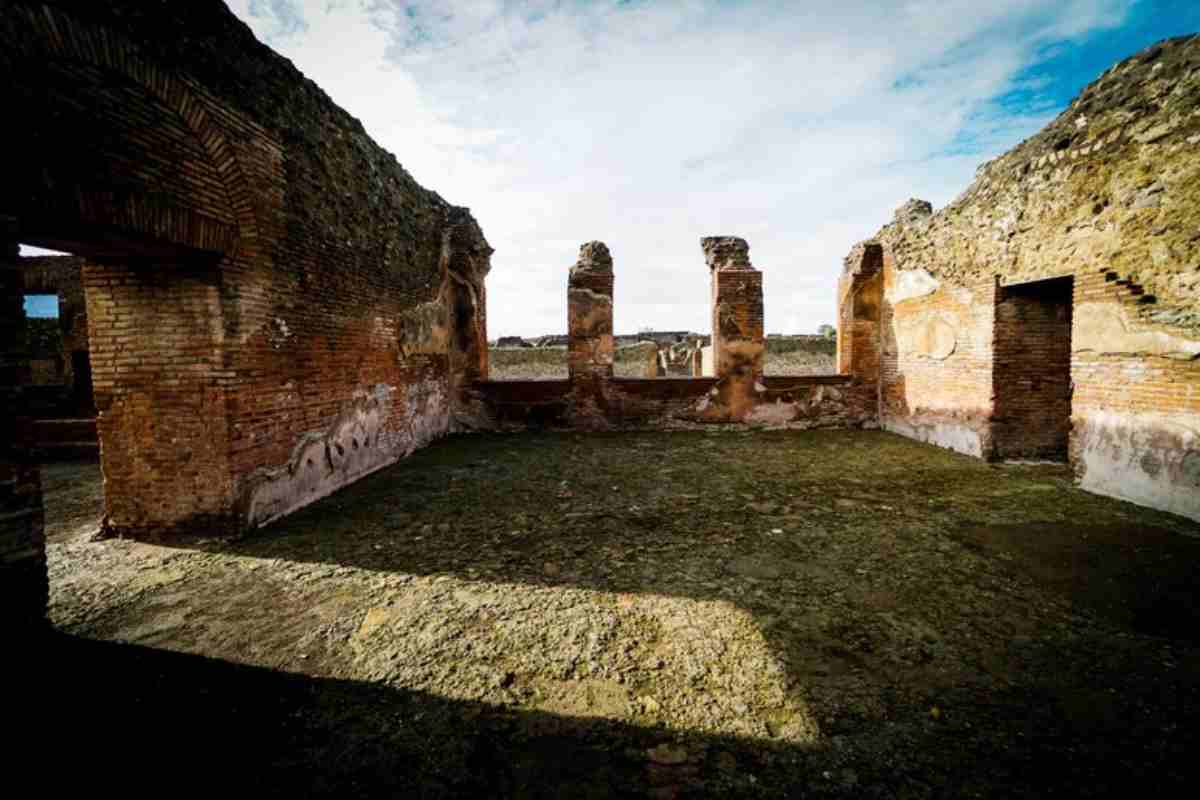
(1149, 459)
(910, 283)
(357, 444)
(927, 335)
(1104, 328)
(957, 436)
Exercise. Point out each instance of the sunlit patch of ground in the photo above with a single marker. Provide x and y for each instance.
(760, 613)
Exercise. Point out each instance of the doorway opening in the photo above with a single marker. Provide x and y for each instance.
(1031, 370)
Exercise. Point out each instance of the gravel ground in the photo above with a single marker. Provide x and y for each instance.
(74, 499)
(759, 614)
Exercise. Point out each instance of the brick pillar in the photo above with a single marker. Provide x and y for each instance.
(590, 334)
(158, 348)
(24, 586)
(860, 298)
(468, 261)
(590, 314)
(737, 309)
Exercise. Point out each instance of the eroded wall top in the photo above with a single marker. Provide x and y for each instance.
(1112, 183)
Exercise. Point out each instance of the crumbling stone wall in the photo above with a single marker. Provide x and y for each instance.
(275, 306)
(590, 334)
(1108, 195)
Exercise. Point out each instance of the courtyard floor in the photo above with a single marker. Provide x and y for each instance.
(775, 614)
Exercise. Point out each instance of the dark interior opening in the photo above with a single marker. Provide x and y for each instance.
(1031, 370)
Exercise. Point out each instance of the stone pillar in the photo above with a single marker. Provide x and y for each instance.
(159, 362)
(590, 336)
(24, 586)
(467, 262)
(590, 314)
(860, 298)
(737, 309)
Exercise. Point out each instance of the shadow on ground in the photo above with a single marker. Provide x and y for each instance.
(145, 722)
(940, 627)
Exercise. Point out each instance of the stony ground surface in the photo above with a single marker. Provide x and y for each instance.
(760, 614)
(74, 498)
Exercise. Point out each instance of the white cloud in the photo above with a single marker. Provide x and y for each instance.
(650, 124)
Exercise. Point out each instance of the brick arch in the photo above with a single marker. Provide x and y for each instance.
(54, 37)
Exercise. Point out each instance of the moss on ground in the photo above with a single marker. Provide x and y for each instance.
(822, 613)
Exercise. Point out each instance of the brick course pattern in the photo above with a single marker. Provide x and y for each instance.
(1031, 370)
(275, 307)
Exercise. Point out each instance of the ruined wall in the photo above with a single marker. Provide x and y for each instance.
(827, 401)
(276, 307)
(592, 398)
(1107, 194)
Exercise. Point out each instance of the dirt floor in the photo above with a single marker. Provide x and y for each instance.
(74, 499)
(759, 614)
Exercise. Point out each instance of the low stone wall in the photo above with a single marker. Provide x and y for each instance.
(830, 401)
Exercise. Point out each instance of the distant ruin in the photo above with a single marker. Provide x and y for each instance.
(275, 309)
(660, 355)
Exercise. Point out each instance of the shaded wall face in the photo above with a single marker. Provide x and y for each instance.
(1031, 373)
(276, 315)
(24, 584)
(61, 276)
(159, 377)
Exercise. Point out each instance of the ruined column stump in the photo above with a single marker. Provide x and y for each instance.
(737, 322)
(590, 333)
(860, 297)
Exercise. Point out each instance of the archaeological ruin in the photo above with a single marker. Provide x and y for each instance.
(262, 308)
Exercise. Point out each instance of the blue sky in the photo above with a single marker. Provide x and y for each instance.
(43, 306)
(799, 126)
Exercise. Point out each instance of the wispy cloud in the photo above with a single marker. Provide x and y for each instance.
(278, 19)
(650, 124)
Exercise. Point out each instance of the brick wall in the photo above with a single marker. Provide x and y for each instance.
(936, 364)
(160, 385)
(1031, 370)
(1106, 194)
(276, 307)
(1135, 413)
